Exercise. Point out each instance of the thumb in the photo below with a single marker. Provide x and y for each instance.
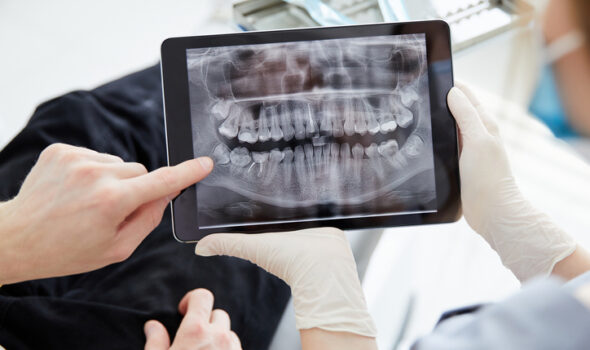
(466, 115)
(156, 336)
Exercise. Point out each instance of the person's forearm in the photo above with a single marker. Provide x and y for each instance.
(574, 265)
(318, 339)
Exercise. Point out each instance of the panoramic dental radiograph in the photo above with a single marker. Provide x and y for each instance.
(311, 130)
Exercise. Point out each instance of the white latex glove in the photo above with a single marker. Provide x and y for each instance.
(526, 239)
(318, 266)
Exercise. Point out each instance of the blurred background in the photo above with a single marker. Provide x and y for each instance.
(410, 275)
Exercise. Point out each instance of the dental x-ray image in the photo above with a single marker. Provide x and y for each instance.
(310, 130)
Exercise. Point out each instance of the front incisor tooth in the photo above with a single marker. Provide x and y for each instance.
(286, 126)
(388, 148)
(311, 127)
(240, 156)
(349, 119)
(299, 122)
(221, 154)
(308, 149)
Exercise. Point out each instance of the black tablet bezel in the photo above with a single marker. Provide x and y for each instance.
(444, 133)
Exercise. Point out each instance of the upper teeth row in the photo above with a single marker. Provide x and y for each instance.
(299, 119)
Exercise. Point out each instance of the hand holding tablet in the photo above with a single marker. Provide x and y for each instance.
(344, 126)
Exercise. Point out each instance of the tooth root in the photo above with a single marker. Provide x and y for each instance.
(373, 153)
(388, 148)
(229, 128)
(240, 156)
(275, 129)
(300, 172)
(334, 151)
(259, 159)
(404, 117)
(311, 127)
(221, 154)
(387, 123)
(286, 126)
(248, 132)
(345, 151)
(318, 158)
(413, 146)
(287, 166)
(263, 125)
(274, 159)
(308, 149)
(325, 123)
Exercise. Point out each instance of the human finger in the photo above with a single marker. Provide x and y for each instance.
(143, 221)
(486, 117)
(466, 115)
(164, 181)
(197, 304)
(126, 170)
(220, 318)
(156, 336)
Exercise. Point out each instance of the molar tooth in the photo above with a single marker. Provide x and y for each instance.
(263, 124)
(404, 117)
(259, 158)
(286, 126)
(408, 96)
(221, 109)
(240, 156)
(221, 154)
(387, 124)
(388, 148)
(358, 151)
(229, 128)
(248, 132)
(413, 146)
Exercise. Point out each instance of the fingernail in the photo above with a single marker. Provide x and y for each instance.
(206, 163)
(203, 250)
(148, 328)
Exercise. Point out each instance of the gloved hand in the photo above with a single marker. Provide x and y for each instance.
(526, 239)
(318, 266)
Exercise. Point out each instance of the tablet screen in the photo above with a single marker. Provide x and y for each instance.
(309, 130)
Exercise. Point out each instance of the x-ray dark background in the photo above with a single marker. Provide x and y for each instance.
(314, 129)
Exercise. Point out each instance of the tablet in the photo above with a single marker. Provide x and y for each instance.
(339, 126)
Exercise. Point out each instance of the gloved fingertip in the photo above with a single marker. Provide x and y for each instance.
(204, 249)
(455, 95)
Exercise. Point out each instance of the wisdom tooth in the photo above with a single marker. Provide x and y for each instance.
(263, 124)
(221, 154)
(413, 146)
(221, 109)
(240, 156)
(248, 132)
(388, 148)
(408, 96)
(229, 128)
(404, 117)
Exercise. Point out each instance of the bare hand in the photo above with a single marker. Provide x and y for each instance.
(79, 210)
(202, 327)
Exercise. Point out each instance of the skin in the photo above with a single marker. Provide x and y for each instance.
(573, 70)
(319, 339)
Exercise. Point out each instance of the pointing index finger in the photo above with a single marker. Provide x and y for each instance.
(169, 180)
